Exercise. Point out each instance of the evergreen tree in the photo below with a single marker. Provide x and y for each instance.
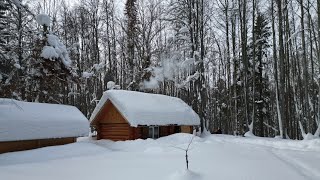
(4, 8)
(13, 42)
(51, 68)
(4, 33)
(261, 96)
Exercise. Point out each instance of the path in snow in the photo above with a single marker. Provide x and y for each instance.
(212, 157)
(302, 156)
(300, 165)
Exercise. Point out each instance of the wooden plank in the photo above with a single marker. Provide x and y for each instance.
(114, 125)
(114, 129)
(116, 138)
(164, 131)
(58, 141)
(186, 129)
(110, 114)
(120, 131)
(145, 132)
(137, 133)
(11, 146)
(113, 134)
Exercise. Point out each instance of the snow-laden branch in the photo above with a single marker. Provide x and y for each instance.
(189, 79)
(296, 33)
(269, 126)
(96, 68)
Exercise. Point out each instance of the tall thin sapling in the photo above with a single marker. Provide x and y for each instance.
(186, 150)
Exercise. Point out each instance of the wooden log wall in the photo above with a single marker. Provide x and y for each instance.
(10, 146)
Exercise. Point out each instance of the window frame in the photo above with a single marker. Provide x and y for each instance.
(152, 130)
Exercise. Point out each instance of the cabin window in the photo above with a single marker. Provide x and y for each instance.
(154, 132)
(177, 129)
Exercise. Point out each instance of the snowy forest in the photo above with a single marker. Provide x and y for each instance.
(243, 65)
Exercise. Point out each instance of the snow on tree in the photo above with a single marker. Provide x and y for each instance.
(13, 32)
(87, 74)
(3, 31)
(56, 50)
(51, 68)
(112, 85)
(43, 20)
(94, 70)
(48, 52)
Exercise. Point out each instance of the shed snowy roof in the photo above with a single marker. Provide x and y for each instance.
(27, 120)
(148, 109)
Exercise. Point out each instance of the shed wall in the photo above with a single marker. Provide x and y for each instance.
(112, 125)
(10, 146)
(187, 129)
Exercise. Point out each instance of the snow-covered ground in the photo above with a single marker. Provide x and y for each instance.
(219, 157)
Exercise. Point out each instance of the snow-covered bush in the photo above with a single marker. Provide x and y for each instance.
(112, 85)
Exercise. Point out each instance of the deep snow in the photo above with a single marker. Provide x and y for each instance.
(213, 157)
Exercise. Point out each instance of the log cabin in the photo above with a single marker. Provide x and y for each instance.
(127, 115)
(29, 125)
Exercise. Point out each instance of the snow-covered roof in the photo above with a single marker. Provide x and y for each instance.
(148, 109)
(28, 120)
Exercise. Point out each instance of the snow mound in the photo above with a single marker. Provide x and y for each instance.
(180, 138)
(43, 19)
(148, 109)
(205, 133)
(185, 175)
(249, 134)
(309, 136)
(152, 146)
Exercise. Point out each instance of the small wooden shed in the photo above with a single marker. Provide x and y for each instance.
(128, 115)
(28, 125)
